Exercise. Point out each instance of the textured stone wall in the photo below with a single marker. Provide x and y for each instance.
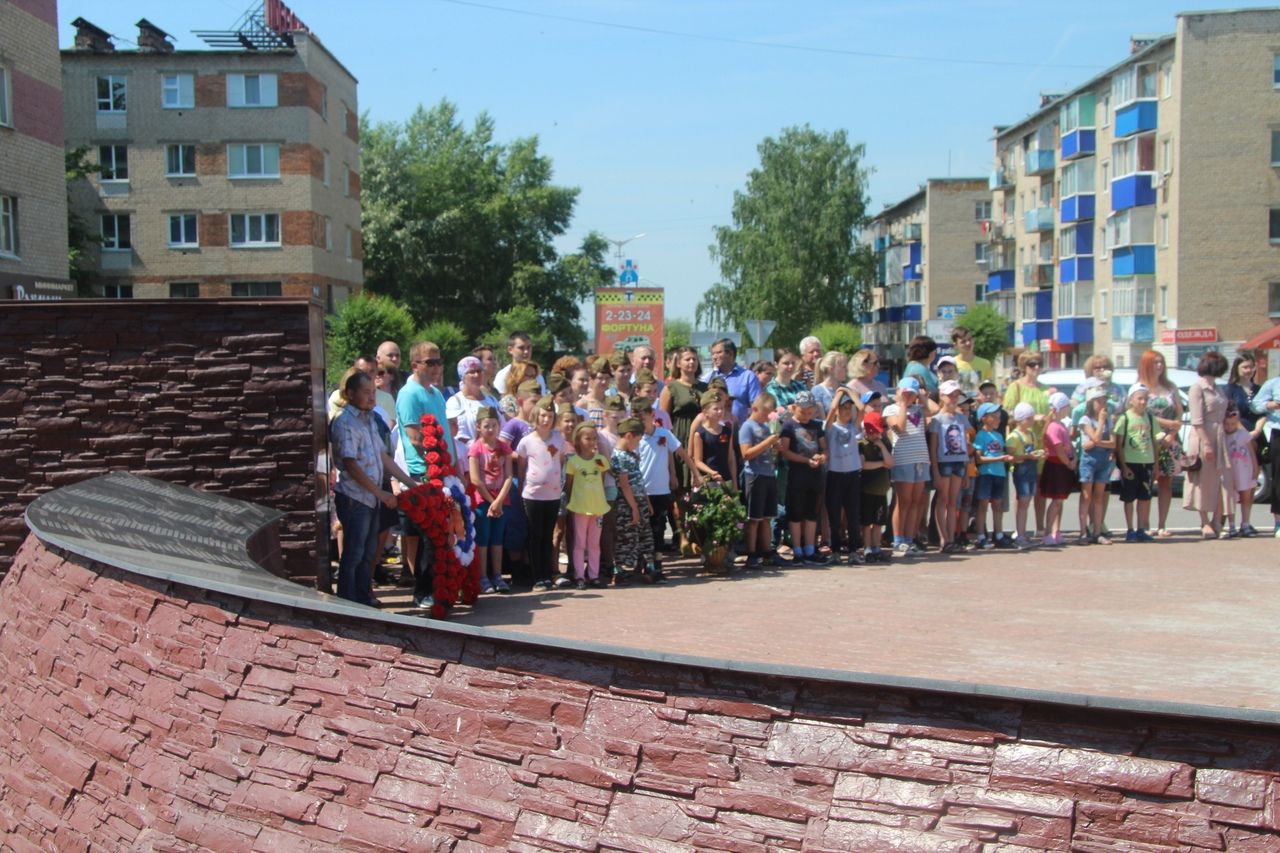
(152, 716)
(216, 395)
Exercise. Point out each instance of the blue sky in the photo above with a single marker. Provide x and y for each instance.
(658, 130)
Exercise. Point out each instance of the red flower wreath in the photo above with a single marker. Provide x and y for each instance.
(434, 511)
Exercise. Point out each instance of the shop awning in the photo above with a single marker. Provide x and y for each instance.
(1270, 339)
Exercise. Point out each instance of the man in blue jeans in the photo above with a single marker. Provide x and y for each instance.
(361, 458)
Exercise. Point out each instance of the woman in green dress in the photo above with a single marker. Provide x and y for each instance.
(680, 400)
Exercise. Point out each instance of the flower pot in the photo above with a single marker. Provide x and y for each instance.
(715, 561)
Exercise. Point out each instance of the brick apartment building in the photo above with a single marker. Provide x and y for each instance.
(224, 172)
(929, 249)
(33, 188)
(1141, 209)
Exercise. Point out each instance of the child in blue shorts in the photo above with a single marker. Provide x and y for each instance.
(1023, 446)
(989, 452)
(1096, 463)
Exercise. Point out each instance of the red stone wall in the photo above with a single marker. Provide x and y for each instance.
(216, 395)
(145, 715)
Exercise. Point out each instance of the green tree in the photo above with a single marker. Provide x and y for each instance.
(989, 328)
(842, 337)
(676, 333)
(460, 227)
(790, 254)
(361, 324)
(522, 319)
(79, 236)
(453, 343)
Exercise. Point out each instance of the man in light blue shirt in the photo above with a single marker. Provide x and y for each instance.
(420, 397)
(743, 385)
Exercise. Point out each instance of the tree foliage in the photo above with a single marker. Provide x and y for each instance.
(459, 227)
(841, 337)
(79, 235)
(990, 330)
(676, 333)
(361, 324)
(790, 254)
(451, 339)
(525, 319)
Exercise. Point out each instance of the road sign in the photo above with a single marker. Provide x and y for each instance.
(629, 273)
(760, 330)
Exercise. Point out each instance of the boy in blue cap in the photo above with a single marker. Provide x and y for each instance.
(989, 453)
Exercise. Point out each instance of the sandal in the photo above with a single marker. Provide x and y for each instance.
(1163, 533)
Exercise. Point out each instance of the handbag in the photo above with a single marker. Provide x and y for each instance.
(1190, 462)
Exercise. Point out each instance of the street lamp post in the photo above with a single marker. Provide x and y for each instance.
(618, 244)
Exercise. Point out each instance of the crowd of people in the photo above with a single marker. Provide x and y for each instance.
(575, 470)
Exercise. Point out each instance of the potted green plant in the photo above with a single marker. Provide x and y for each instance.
(713, 521)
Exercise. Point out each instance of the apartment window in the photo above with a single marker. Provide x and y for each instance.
(1164, 231)
(6, 115)
(254, 289)
(981, 210)
(1275, 71)
(1102, 241)
(1136, 154)
(351, 246)
(8, 226)
(257, 160)
(1132, 227)
(1104, 307)
(1166, 156)
(1106, 176)
(980, 252)
(1166, 80)
(115, 233)
(1077, 177)
(178, 91)
(1275, 148)
(1164, 302)
(255, 229)
(1273, 299)
(1104, 108)
(1132, 295)
(184, 290)
(1028, 306)
(112, 91)
(1275, 225)
(1075, 298)
(328, 234)
(1137, 82)
(1067, 242)
(251, 90)
(117, 291)
(980, 292)
(182, 230)
(113, 160)
(325, 168)
(346, 180)
(180, 160)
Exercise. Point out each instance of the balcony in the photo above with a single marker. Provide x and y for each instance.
(912, 232)
(1139, 328)
(1078, 268)
(1135, 190)
(1136, 118)
(1075, 330)
(1078, 208)
(1038, 275)
(1133, 260)
(1001, 178)
(999, 281)
(1039, 161)
(913, 313)
(1079, 143)
(1039, 219)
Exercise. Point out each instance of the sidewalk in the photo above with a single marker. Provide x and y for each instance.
(1181, 620)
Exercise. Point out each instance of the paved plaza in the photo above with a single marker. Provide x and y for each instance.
(1178, 621)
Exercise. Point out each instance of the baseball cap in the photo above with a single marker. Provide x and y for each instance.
(1058, 400)
(909, 383)
(949, 387)
(947, 359)
(868, 396)
(988, 409)
(1094, 393)
(1136, 387)
(873, 422)
(1022, 411)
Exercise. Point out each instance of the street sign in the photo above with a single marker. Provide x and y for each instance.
(629, 273)
(760, 330)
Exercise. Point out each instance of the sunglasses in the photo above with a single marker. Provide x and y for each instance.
(430, 362)
(382, 373)
(1035, 364)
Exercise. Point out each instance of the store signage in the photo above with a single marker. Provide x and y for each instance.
(1189, 336)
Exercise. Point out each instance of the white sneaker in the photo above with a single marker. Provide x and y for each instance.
(903, 548)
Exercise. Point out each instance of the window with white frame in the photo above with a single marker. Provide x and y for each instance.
(1077, 177)
(1166, 155)
(1003, 304)
(253, 160)
(1067, 242)
(1137, 82)
(1133, 155)
(251, 90)
(8, 226)
(1046, 251)
(250, 230)
(113, 92)
(981, 210)
(1275, 148)
(178, 91)
(1166, 80)
(1132, 227)
(6, 112)
(1103, 312)
(1106, 176)
(179, 160)
(1104, 111)
(980, 252)
(113, 162)
(182, 230)
(351, 241)
(915, 289)
(1164, 302)
(115, 232)
(1132, 295)
(1102, 241)
(1028, 306)
(1075, 299)
(1164, 231)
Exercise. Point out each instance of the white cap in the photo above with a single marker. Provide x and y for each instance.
(1058, 400)
(1136, 387)
(949, 387)
(1022, 411)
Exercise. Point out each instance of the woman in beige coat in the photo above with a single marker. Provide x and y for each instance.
(1208, 406)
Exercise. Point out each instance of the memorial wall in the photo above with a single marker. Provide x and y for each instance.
(225, 396)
